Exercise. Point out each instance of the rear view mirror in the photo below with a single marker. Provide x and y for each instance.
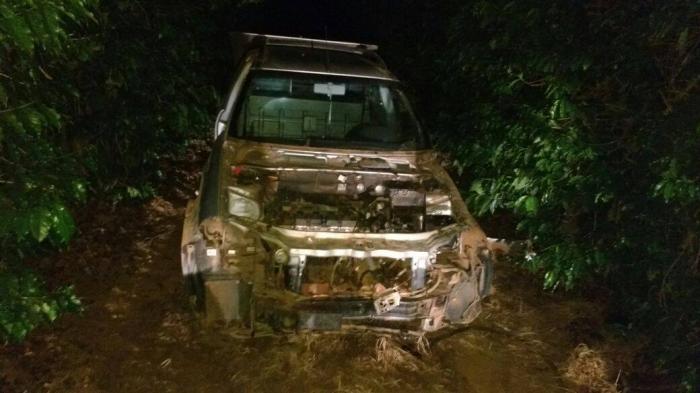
(329, 89)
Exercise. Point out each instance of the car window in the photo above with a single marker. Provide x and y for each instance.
(322, 110)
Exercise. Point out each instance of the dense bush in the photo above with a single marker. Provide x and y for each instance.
(580, 121)
(147, 91)
(577, 123)
(584, 127)
(92, 96)
(39, 179)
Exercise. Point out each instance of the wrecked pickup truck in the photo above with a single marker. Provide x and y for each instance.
(322, 206)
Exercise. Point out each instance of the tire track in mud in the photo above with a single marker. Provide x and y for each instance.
(137, 333)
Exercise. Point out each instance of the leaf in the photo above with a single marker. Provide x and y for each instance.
(49, 310)
(133, 192)
(16, 28)
(63, 224)
(40, 221)
(79, 190)
(531, 204)
(51, 116)
(32, 120)
(521, 183)
(477, 188)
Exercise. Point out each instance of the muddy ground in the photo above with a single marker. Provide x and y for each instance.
(138, 334)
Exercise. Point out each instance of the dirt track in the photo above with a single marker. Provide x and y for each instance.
(137, 333)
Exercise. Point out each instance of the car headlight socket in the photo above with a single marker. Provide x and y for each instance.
(280, 256)
(241, 206)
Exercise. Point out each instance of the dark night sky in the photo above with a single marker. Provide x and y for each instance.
(352, 20)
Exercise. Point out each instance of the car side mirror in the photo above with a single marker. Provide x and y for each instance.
(219, 125)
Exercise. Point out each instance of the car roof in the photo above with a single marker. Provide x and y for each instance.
(303, 55)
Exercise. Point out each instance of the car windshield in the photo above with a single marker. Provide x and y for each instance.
(327, 111)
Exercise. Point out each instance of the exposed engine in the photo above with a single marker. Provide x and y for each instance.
(342, 204)
(342, 276)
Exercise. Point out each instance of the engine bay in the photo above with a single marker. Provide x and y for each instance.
(333, 213)
(347, 202)
(342, 276)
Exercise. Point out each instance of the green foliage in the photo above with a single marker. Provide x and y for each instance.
(147, 91)
(38, 178)
(529, 150)
(25, 303)
(93, 95)
(577, 128)
(674, 187)
(579, 120)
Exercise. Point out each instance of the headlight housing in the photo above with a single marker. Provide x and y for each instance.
(241, 205)
(281, 256)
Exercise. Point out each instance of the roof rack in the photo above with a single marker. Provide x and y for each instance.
(320, 44)
(242, 42)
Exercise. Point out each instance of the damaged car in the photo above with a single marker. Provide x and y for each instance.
(322, 205)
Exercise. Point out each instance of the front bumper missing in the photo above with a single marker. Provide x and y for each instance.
(247, 289)
(415, 315)
(298, 257)
(454, 300)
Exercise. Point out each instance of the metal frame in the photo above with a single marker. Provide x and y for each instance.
(269, 39)
(244, 43)
(419, 261)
